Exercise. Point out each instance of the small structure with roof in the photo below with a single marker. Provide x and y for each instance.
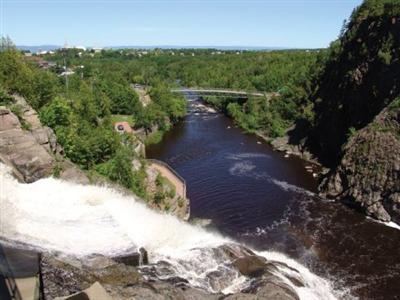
(123, 127)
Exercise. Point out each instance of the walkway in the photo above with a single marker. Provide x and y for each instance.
(171, 175)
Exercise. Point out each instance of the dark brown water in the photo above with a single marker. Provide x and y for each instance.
(259, 197)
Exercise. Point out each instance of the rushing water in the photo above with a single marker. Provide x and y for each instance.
(257, 196)
(74, 220)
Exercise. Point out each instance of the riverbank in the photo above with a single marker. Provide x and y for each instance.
(259, 197)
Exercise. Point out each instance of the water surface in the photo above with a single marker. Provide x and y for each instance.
(256, 195)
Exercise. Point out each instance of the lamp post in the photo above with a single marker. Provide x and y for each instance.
(81, 67)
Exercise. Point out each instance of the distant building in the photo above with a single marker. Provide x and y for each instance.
(66, 47)
(83, 48)
(67, 73)
(44, 64)
(97, 49)
(123, 127)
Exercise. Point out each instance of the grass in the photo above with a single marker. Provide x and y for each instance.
(122, 118)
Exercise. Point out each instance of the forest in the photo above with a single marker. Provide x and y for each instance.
(81, 107)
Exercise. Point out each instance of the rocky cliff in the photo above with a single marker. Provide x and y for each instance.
(29, 148)
(355, 129)
(369, 172)
(359, 78)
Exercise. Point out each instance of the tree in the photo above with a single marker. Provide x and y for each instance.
(6, 43)
(57, 113)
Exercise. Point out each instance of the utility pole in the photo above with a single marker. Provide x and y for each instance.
(66, 75)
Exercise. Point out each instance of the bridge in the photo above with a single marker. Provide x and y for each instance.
(227, 93)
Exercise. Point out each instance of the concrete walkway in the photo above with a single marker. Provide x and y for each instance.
(171, 175)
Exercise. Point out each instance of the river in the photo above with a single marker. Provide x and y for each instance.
(266, 200)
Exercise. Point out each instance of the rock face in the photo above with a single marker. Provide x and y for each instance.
(265, 283)
(62, 277)
(20, 149)
(369, 173)
(359, 79)
(66, 276)
(32, 150)
(42, 134)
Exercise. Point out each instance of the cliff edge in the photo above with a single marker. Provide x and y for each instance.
(369, 172)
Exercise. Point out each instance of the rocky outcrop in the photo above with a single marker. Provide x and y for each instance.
(265, 283)
(30, 149)
(369, 173)
(63, 277)
(95, 291)
(20, 149)
(66, 276)
(43, 135)
(358, 80)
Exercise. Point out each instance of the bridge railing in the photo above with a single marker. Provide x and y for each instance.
(217, 91)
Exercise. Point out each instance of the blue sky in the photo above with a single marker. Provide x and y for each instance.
(266, 23)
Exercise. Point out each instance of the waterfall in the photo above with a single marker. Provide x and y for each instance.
(51, 215)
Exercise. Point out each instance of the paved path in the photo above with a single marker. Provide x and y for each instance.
(172, 176)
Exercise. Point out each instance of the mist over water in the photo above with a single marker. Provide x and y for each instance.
(56, 216)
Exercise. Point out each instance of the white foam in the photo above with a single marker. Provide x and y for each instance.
(53, 215)
(242, 168)
(388, 224)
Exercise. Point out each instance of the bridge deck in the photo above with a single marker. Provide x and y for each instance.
(218, 92)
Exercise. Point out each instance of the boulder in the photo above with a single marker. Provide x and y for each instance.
(265, 283)
(94, 292)
(72, 173)
(63, 276)
(133, 258)
(268, 289)
(251, 265)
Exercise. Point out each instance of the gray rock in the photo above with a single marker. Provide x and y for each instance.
(20, 150)
(267, 285)
(70, 172)
(369, 170)
(133, 258)
(251, 265)
(65, 276)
